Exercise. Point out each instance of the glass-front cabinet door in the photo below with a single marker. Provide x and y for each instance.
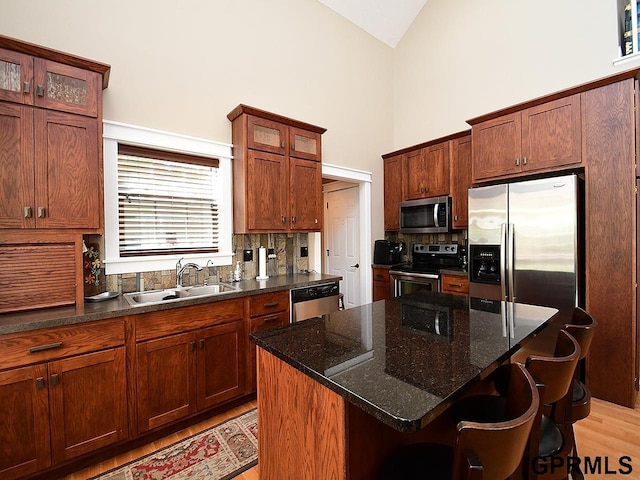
(15, 77)
(266, 135)
(304, 144)
(66, 88)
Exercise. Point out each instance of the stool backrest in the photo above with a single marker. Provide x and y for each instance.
(495, 450)
(556, 373)
(582, 328)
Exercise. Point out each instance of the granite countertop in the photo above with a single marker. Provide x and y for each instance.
(405, 360)
(117, 307)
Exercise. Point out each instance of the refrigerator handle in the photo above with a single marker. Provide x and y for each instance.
(503, 259)
(510, 266)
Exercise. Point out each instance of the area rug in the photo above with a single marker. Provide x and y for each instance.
(218, 453)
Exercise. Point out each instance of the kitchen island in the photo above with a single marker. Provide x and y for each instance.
(337, 394)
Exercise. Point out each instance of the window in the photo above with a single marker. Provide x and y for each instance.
(628, 32)
(167, 203)
(167, 196)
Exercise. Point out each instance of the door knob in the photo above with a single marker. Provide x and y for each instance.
(357, 265)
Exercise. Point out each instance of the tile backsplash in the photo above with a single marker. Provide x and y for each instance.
(286, 248)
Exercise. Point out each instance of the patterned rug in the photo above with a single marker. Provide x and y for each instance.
(218, 453)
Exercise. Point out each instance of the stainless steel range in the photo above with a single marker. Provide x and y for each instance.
(423, 274)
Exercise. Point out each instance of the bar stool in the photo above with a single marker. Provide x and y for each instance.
(482, 450)
(549, 440)
(582, 328)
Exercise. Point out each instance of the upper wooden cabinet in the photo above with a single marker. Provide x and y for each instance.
(392, 191)
(48, 84)
(460, 180)
(50, 132)
(542, 137)
(440, 167)
(277, 174)
(427, 172)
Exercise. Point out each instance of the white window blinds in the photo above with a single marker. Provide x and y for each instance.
(167, 202)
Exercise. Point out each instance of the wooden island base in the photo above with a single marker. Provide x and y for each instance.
(308, 432)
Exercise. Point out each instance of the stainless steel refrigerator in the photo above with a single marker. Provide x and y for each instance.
(525, 242)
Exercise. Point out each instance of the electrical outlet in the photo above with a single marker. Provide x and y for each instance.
(247, 255)
(271, 253)
(304, 251)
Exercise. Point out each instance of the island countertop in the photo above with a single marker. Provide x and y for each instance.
(405, 360)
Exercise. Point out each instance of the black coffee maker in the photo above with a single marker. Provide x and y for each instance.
(387, 253)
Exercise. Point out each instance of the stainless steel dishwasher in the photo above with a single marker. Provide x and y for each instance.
(315, 301)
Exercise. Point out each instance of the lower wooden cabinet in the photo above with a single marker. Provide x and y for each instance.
(183, 369)
(381, 284)
(58, 410)
(266, 311)
(455, 284)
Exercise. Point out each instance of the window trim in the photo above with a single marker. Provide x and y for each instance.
(115, 133)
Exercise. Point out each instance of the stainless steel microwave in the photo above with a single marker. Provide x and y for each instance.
(426, 215)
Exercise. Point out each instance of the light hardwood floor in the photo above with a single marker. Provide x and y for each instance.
(610, 431)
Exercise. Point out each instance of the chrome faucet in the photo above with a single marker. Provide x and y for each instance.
(181, 268)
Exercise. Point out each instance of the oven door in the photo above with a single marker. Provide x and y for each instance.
(405, 283)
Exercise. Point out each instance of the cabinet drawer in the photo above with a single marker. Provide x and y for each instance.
(183, 319)
(42, 345)
(269, 321)
(455, 284)
(268, 303)
(380, 274)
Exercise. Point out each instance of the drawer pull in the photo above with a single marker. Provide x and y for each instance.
(55, 380)
(192, 346)
(41, 348)
(454, 284)
(202, 344)
(39, 383)
(271, 305)
(271, 319)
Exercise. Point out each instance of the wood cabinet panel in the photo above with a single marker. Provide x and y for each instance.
(305, 144)
(610, 144)
(166, 380)
(25, 431)
(318, 423)
(268, 303)
(16, 74)
(16, 166)
(68, 171)
(427, 172)
(66, 88)
(305, 194)
(177, 320)
(551, 134)
(57, 342)
(267, 192)
(454, 284)
(221, 363)
(266, 135)
(460, 181)
(88, 402)
(392, 192)
(381, 284)
(496, 147)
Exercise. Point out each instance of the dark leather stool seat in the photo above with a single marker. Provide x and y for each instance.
(482, 449)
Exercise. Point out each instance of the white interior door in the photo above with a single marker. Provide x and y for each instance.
(342, 241)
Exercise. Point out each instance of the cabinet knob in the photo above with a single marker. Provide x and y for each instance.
(192, 346)
(40, 91)
(293, 146)
(39, 383)
(26, 87)
(517, 162)
(294, 219)
(282, 144)
(455, 217)
(55, 380)
(524, 160)
(27, 212)
(315, 220)
(284, 219)
(42, 212)
(202, 344)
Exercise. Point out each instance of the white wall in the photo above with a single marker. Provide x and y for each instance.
(182, 66)
(463, 59)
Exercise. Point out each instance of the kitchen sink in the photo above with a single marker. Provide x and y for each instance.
(151, 297)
